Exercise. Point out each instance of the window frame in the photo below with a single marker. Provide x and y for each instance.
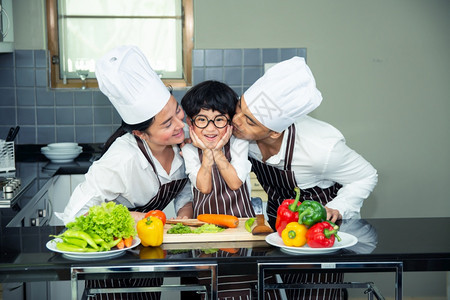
(53, 50)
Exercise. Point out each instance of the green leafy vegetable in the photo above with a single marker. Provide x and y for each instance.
(179, 228)
(108, 221)
(208, 228)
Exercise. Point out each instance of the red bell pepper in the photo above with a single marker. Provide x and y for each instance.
(322, 235)
(287, 212)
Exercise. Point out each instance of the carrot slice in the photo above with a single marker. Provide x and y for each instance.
(121, 244)
(219, 219)
(128, 241)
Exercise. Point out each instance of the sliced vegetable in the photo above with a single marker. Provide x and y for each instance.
(128, 241)
(287, 212)
(294, 234)
(249, 223)
(179, 228)
(150, 231)
(228, 221)
(322, 235)
(120, 244)
(208, 228)
(157, 213)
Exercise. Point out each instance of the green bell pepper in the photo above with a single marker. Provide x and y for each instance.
(311, 212)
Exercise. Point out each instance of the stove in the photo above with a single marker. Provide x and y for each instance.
(11, 187)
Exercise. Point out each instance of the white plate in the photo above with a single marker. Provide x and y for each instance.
(347, 240)
(51, 245)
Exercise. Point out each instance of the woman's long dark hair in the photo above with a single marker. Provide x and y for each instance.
(126, 128)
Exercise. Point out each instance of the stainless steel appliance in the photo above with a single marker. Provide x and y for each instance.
(12, 188)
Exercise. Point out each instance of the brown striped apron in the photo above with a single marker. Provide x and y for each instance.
(279, 185)
(222, 199)
(166, 193)
(236, 287)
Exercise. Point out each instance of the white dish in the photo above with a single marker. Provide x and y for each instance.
(61, 150)
(347, 240)
(55, 146)
(61, 157)
(51, 245)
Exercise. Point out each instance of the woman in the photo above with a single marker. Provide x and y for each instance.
(142, 168)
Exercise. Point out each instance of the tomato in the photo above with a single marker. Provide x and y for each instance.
(157, 213)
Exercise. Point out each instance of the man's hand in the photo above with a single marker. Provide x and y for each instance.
(333, 214)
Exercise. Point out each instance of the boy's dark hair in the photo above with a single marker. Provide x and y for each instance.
(212, 95)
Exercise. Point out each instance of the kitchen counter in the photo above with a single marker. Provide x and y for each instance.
(413, 242)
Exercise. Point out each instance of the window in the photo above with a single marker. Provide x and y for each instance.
(81, 31)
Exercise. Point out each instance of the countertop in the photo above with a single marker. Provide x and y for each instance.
(413, 241)
(416, 242)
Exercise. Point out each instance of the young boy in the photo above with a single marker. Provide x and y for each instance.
(216, 162)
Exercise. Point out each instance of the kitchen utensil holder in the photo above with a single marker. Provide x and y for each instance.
(7, 160)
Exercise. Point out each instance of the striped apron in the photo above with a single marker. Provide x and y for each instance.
(279, 185)
(222, 199)
(166, 193)
(235, 287)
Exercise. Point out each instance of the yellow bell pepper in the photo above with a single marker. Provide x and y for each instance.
(294, 235)
(150, 231)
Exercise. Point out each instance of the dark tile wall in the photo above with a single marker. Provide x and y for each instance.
(86, 116)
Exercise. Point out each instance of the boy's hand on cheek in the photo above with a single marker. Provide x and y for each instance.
(195, 140)
(225, 138)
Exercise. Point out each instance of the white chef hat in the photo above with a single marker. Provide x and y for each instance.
(284, 93)
(126, 78)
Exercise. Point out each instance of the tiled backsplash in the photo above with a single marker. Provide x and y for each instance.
(86, 116)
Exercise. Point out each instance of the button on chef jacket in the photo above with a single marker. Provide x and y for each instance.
(123, 174)
(321, 158)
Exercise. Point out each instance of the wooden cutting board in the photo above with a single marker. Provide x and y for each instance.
(228, 235)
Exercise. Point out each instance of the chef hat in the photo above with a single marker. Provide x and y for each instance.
(126, 78)
(284, 93)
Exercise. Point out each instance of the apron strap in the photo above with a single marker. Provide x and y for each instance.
(289, 148)
(144, 151)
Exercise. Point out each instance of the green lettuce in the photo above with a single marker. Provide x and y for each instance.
(109, 221)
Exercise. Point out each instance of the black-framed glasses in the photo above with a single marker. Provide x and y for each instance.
(202, 121)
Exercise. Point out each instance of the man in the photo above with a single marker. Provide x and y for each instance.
(289, 149)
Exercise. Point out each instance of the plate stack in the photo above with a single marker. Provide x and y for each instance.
(62, 152)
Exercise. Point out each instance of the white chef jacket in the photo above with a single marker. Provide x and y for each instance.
(321, 158)
(239, 160)
(124, 175)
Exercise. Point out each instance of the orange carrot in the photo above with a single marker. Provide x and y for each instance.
(230, 250)
(219, 219)
(128, 241)
(121, 244)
